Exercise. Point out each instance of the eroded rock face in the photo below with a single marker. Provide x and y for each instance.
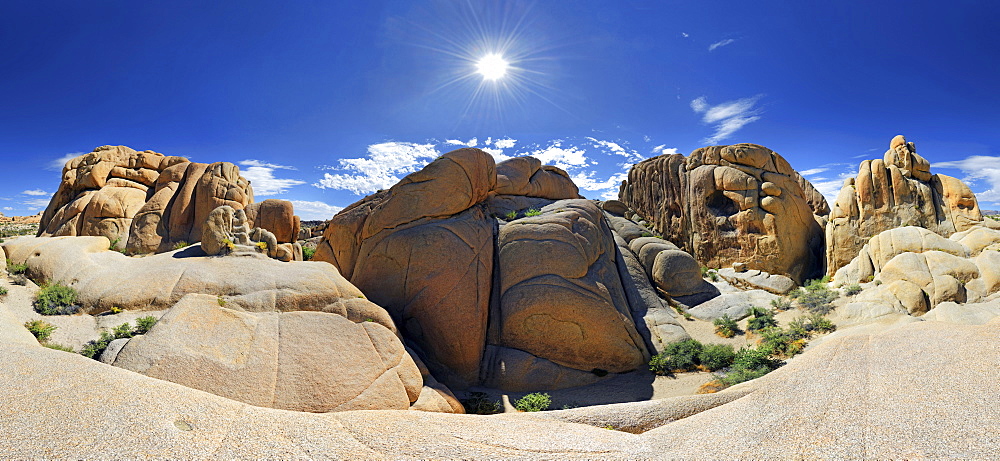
(300, 361)
(917, 269)
(432, 251)
(147, 202)
(732, 204)
(897, 190)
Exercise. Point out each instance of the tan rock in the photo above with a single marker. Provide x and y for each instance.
(526, 176)
(277, 216)
(726, 204)
(896, 191)
(301, 361)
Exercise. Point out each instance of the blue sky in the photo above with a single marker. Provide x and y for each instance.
(322, 102)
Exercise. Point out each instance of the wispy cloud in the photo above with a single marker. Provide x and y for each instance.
(35, 204)
(812, 171)
(607, 189)
(261, 176)
(685, 34)
(617, 149)
(720, 44)
(59, 163)
(314, 210)
(37, 192)
(979, 168)
(555, 154)
(728, 117)
(8, 208)
(457, 142)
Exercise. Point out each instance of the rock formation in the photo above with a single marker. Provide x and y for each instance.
(501, 275)
(226, 232)
(897, 190)
(915, 269)
(732, 204)
(147, 202)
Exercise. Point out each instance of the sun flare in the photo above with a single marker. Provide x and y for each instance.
(492, 66)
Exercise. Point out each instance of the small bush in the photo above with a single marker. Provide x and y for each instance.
(852, 290)
(262, 246)
(3, 291)
(816, 296)
(479, 404)
(308, 252)
(821, 324)
(41, 329)
(181, 244)
(529, 213)
(15, 269)
(739, 375)
(716, 356)
(536, 401)
(56, 299)
(725, 326)
(713, 275)
(760, 319)
(122, 331)
(221, 301)
(58, 347)
(511, 215)
(780, 343)
(676, 357)
(143, 324)
(781, 304)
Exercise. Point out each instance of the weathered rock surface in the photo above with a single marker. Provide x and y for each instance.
(147, 202)
(897, 190)
(252, 282)
(727, 204)
(918, 269)
(302, 361)
(561, 297)
(735, 305)
(462, 245)
(755, 279)
(850, 397)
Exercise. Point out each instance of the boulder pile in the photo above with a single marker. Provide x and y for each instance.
(146, 202)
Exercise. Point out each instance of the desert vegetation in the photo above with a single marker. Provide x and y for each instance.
(816, 296)
(94, 348)
(56, 299)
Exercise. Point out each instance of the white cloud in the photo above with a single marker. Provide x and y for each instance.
(812, 171)
(261, 176)
(314, 210)
(729, 116)
(60, 162)
(976, 168)
(720, 44)
(36, 204)
(8, 208)
(37, 192)
(498, 155)
(561, 157)
(685, 34)
(617, 149)
(607, 189)
(662, 149)
(470, 143)
(505, 143)
(380, 169)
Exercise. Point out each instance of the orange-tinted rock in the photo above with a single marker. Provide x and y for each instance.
(526, 176)
(732, 204)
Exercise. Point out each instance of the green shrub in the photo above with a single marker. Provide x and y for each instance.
(781, 304)
(753, 359)
(739, 375)
(760, 319)
(143, 324)
(852, 290)
(58, 347)
(532, 212)
(93, 349)
(56, 299)
(511, 215)
(535, 401)
(308, 252)
(713, 275)
(816, 296)
(41, 329)
(15, 269)
(676, 357)
(821, 324)
(181, 244)
(716, 356)
(479, 403)
(725, 326)
(3, 291)
(780, 343)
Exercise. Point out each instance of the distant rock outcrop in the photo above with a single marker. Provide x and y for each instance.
(146, 202)
(732, 204)
(897, 190)
(500, 274)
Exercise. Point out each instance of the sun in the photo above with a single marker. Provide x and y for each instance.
(492, 66)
